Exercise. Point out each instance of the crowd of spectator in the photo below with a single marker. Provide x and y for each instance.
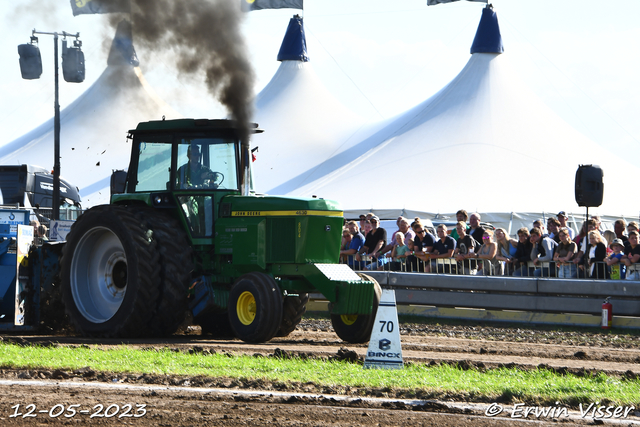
(471, 249)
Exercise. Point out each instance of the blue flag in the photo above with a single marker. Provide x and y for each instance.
(84, 7)
(435, 2)
(249, 5)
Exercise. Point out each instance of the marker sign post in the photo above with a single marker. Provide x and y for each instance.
(385, 350)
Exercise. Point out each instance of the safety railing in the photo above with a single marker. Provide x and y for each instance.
(480, 267)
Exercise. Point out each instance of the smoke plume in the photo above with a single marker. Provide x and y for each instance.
(205, 36)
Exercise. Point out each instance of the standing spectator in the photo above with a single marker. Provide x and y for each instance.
(465, 249)
(619, 228)
(598, 221)
(542, 252)
(595, 254)
(562, 217)
(538, 223)
(476, 231)
(487, 253)
(609, 236)
(614, 261)
(632, 256)
(564, 253)
(405, 230)
(366, 229)
(443, 247)
(507, 248)
(523, 254)
(461, 215)
(399, 254)
(356, 244)
(345, 244)
(422, 248)
(374, 241)
(553, 225)
(363, 219)
(588, 226)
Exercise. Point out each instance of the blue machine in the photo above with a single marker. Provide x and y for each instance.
(14, 277)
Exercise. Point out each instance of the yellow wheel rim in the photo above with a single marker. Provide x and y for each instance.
(349, 319)
(246, 308)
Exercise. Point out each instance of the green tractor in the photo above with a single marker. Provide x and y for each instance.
(186, 233)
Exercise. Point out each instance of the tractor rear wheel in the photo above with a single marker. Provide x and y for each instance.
(356, 328)
(175, 270)
(293, 309)
(109, 273)
(255, 308)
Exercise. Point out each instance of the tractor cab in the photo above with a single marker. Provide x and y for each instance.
(189, 163)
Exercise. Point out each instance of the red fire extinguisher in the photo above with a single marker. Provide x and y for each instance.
(607, 313)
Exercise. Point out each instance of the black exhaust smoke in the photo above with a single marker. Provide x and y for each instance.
(205, 37)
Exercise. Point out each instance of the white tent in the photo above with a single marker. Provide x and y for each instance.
(93, 128)
(304, 123)
(484, 142)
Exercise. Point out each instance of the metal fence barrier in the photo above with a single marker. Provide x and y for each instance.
(479, 267)
(552, 295)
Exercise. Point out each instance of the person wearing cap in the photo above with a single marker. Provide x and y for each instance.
(194, 174)
(562, 217)
(616, 268)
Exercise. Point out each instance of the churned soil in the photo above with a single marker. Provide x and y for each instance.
(183, 401)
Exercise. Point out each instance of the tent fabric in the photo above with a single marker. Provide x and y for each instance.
(304, 124)
(488, 38)
(294, 44)
(484, 142)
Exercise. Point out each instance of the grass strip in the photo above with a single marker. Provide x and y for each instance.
(533, 386)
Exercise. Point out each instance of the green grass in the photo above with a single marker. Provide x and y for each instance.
(415, 380)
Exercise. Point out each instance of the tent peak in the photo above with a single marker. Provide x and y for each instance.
(488, 38)
(122, 51)
(294, 44)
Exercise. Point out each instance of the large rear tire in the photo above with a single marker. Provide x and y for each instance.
(175, 270)
(293, 309)
(357, 328)
(255, 308)
(109, 273)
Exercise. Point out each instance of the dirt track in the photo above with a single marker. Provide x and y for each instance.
(219, 402)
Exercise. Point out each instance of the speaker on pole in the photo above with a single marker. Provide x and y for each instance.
(589, 186)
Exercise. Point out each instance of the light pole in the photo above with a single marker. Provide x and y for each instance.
(73, 71)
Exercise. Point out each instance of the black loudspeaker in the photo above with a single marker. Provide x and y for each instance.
(72, 63)
(589, 186)
(30, 61)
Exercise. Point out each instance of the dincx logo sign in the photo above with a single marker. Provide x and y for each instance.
(384, 349)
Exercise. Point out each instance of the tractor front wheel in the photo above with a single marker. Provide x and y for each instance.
(255, 308)
(356, 328)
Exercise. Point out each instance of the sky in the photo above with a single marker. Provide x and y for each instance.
(379, 58)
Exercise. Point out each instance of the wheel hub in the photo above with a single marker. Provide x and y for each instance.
(349, 319)
(246, 308)
(99, 274)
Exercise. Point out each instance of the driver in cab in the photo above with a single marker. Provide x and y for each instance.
(193, 174)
